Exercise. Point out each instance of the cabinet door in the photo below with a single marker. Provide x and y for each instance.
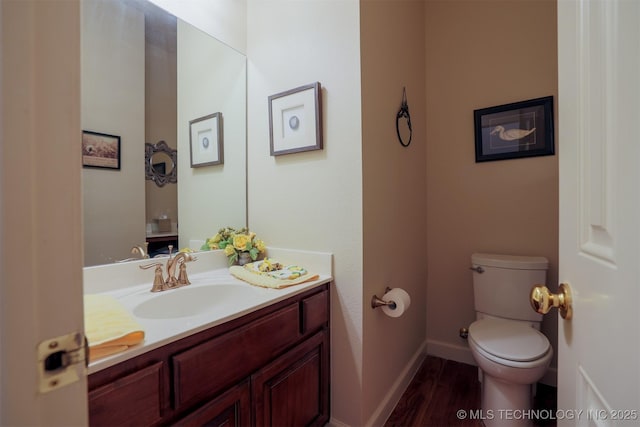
(230, 409)
(293, 389)
(133, 400)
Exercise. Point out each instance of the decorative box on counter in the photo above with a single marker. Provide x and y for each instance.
(164, 225)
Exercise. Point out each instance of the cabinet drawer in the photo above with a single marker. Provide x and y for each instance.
(315, 312)
(134, 399)
(208, 368)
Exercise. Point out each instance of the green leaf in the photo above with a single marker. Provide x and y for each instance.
(254, 253)
(205, 247)
(233, 258)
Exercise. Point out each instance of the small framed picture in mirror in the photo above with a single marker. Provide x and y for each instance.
(206, 141)
(100, 150)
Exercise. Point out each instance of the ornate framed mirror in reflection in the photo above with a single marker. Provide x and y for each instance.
(145, 74)
(160, 163)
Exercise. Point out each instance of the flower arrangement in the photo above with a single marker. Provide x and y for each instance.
(235, 243)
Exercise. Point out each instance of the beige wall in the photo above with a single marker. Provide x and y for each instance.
(313, 200)
(394, 196)
(210, 197)
(481, 54)
(223, 19)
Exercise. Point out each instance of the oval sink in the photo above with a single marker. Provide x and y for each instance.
(186, 302)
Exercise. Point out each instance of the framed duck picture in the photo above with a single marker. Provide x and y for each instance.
(511, 131)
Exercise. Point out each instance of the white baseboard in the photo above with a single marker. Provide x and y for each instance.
(336, 423)
(448, 351)
(462, 354)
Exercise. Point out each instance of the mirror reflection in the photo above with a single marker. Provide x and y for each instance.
(145, 75)
(160, 163)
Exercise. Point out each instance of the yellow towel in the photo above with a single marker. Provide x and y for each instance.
(108, 326)
(267, 281)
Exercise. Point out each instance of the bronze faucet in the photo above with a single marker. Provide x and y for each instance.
(159, 283)
(181, 258)
(139, 250)
(143, 253)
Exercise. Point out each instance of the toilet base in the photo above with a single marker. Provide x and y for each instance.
(505, 404)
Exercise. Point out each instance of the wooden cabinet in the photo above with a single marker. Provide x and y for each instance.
(290, 391)
(158, 244)
(267, 368)
(142, 389)
(231, 409)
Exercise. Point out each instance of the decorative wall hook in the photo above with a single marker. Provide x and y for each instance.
(403, 113)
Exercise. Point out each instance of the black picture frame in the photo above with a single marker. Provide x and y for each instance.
(516, 130)
(100, 150)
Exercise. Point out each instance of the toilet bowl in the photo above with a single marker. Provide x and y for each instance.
(510, 351)
(512, 357)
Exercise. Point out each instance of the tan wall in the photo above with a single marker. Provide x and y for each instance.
(394, 196)
(161, 107)
(482, 54)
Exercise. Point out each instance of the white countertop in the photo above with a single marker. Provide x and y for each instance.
(161, 331)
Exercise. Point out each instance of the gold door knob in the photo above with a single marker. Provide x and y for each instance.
(542, 300)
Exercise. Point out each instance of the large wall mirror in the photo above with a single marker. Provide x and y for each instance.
(145, 75)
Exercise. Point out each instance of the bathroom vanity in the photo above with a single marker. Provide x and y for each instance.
(267, 367)
(216, 352)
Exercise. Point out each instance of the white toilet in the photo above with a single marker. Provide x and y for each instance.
(505, 340)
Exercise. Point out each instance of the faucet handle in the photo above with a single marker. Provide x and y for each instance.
(148, 266)
(183, 279)
(158, 281)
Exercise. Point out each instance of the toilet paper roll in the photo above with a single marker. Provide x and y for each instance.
(401, 299)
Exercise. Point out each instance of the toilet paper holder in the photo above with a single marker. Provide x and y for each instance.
(378, 302)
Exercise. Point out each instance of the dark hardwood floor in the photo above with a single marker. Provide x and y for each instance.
(444, 393)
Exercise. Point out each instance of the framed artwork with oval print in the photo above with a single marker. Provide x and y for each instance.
(206, 141)
(295, 120)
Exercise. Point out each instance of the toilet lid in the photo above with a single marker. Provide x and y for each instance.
(509, 340)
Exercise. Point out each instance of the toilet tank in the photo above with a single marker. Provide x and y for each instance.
(502, 289)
